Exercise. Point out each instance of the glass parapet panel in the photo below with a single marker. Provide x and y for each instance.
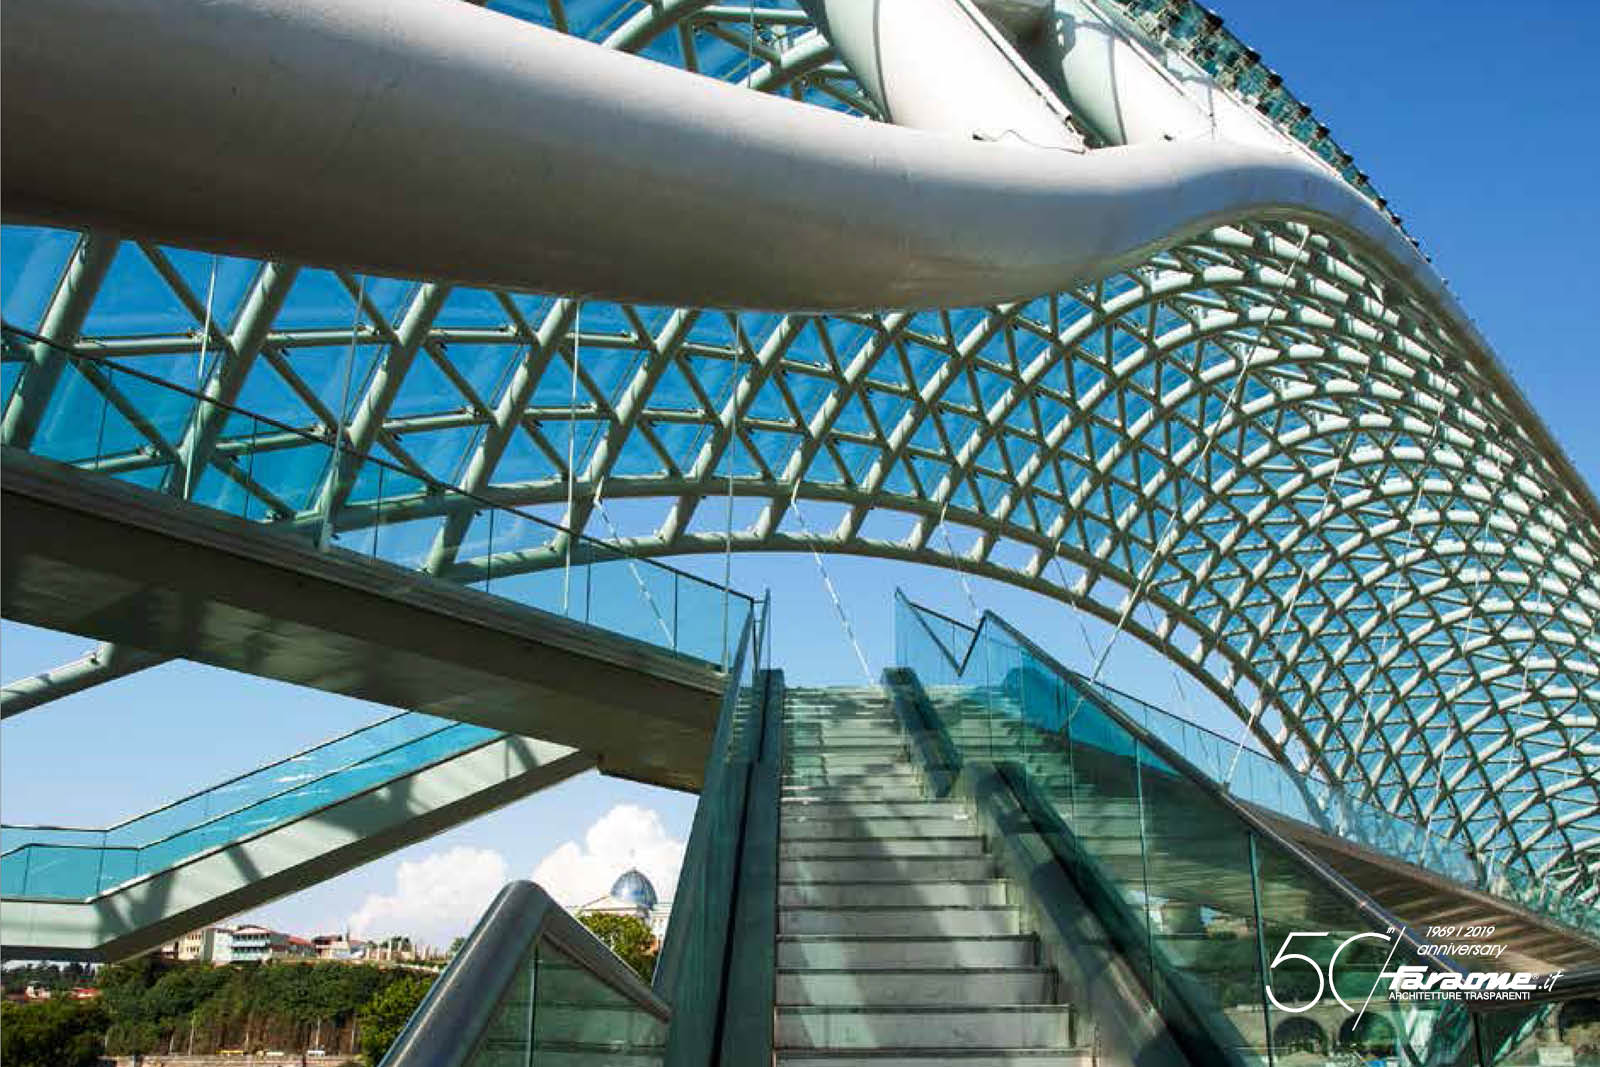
(103, 416)
(109, 419)
(1255, 778)
(532, 986)
(52, 863)
(556, 1011)
(697, 953)
(1233, 933)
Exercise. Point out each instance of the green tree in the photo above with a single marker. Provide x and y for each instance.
(385, 1015)
(51, 1033)
(628, 936)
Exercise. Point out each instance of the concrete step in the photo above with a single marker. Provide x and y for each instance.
(558, 1054)
(1080, 1057)
(900, 922)
(799, 793)
(845, 769)
(855, 786)
(859, 761)
(799, 827)
(941, 986)
(988, 893)
(811, 746)
(872, 809)
(869, 769)
(899, 774)
(844, 717)
(976, 726)
(1019, 1026)
(843, 730)
(900, 953)
(882, 847)
(896, 869)
(858, 747)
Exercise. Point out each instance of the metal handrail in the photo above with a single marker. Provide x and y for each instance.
(444, 1030)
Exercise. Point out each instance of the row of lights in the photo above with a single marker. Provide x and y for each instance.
(1208, 43)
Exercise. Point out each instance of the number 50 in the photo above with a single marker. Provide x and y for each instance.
(1324, 982)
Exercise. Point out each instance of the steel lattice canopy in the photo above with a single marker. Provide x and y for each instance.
(1321, 503)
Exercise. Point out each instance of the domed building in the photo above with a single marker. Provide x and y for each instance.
(633, 894)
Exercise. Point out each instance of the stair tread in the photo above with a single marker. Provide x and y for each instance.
(910, 1056)
(905, 937)
(942, 839)
(898, 907)
(860, 882)
(1012, 969)
(926, 1009)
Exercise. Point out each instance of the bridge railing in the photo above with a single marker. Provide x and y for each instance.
(1247, 946)
(108, 419)
(1257, 779)
(70, 863)
(105, 417)
(530, 985)
(718, 959)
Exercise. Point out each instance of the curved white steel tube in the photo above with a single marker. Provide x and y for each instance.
(940, 65)
(421, 138)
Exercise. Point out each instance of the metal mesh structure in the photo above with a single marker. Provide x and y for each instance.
(1254, 452)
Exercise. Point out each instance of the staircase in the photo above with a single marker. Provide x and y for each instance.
(897, 942)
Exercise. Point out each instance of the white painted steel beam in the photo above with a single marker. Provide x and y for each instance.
(106, 663)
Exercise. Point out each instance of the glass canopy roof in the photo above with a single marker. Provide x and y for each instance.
(1253, 451)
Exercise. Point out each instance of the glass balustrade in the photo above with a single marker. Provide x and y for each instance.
(1241, 942)
(75, 864)
(302, 483)
(306, 483)
(693, 969)
(555, 1010)
(1255, 778)
(531, 985)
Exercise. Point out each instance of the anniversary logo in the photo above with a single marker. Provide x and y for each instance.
(1415, 981)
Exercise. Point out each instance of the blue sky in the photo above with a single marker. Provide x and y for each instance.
(1476, 120)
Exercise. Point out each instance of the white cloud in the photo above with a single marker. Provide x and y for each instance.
(626, 836)
(435, 898)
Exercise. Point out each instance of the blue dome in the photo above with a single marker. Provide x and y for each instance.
(634, 888)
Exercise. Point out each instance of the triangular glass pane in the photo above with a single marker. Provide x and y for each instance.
(234, 278)
(317, 300)
(32, 259)
(134, 299)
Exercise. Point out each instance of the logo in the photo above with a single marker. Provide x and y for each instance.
(1411, 981)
